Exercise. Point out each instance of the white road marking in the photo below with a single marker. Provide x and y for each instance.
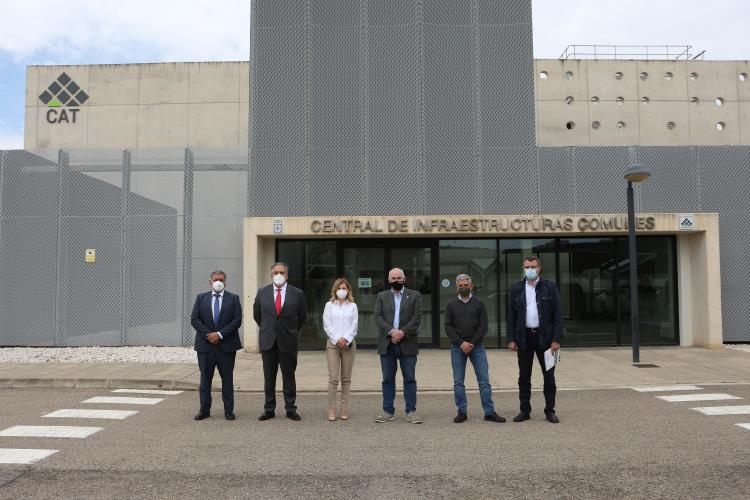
(697, 397)
(109, 414)
(124, 401)
(724, 410)
(148, 391)
(667, 388)
(744, 426)
(53, 431)
(23, 456)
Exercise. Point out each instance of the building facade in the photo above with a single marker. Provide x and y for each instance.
(363, 135)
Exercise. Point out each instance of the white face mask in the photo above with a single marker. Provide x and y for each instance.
(218, 286)
(279, 280)
(341, 293)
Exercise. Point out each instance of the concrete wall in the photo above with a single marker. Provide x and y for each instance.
(205, 104)
(197, 104)
(648, 96)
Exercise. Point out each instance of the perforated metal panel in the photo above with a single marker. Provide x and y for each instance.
(450, 182)
(675, 171)
(598, 179)
(509, 182)
(723, 170)
(556, 182)
(334, 180)
(734, 232)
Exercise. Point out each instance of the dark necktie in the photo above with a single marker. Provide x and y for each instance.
(216, 309)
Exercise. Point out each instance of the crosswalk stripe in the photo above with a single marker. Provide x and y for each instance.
(108, 414)
(124, 401)
(148, 391)
(723, 410)
(23, 456)
(667, 388)
(744, 426)
(53, 431)
(697, 397)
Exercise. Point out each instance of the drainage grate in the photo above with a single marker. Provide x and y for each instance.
(645, 365)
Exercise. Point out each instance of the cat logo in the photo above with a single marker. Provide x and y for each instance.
(63, 93)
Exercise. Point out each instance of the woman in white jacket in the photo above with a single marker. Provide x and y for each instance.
(340, 319)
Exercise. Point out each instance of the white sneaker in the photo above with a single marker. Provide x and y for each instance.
(413, 418)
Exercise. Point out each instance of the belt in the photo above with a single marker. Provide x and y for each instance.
(532, 330)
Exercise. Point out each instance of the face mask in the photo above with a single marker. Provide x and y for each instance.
(341, 293)
(397, 285)
(279, 280)
(531, 274)
(218, 286)
(464, 291)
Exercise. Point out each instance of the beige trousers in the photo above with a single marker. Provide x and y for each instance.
(340, 364)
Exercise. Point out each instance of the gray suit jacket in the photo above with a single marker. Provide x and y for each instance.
(410, 319)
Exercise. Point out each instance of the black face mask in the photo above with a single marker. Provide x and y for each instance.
(397, 285)
(464, 291)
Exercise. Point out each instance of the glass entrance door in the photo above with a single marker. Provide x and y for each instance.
(366, 264)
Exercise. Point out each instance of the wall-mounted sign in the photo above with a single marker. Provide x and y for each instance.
(90, 255)
(364, 282)
(446, 283)
(278, 226)
(63, 96)
(686, 222)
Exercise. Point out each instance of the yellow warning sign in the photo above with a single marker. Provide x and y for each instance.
(91, 255)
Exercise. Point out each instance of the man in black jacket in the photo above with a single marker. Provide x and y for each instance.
(216, 317)
(466, 325)
(534, 325)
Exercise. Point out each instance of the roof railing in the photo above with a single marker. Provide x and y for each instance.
(665, 52)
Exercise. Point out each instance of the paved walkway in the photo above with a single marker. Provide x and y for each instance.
(579, 368)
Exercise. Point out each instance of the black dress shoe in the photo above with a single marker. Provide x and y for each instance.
(266, 415)
(494, 417)
(202, 415)
(293, 415)
(229, 415)
(461, 417)
(552, 418)
(522, 416)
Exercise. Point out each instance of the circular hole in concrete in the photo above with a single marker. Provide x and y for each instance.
(620, 125)
(568, 75)
(671, 125)
(569, 100)
(643, 75)
(595, 125)
(595, 100)
(645, 101)
(742, 77)
(721, 126)
(668, 75)
(719, 101)
(543, 75)
(620, 101)
(693, 76)
(694, 101)
(618, 75)
(570, 125)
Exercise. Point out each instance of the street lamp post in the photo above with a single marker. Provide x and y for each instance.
(634, 173)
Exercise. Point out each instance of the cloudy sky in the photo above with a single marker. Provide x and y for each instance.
(108, 31)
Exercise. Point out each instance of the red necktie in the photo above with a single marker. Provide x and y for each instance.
(278, 302)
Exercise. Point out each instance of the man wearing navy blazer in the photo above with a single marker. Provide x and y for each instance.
(280, 311)
(217, 315)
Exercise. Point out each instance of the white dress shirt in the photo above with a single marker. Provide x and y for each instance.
(220, 298)
(532, 313)
(340, 320)
(283, 293)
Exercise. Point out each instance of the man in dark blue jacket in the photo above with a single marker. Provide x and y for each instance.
(534, 325)
(217, 315)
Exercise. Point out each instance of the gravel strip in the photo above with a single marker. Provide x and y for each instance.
(142, 354)
(738, 347)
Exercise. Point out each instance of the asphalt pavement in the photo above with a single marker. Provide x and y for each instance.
(610, 443)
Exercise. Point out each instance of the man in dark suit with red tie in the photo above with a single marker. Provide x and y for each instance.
(216, 317)
(280, 310)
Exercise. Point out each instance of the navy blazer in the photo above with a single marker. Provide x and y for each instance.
(284, 329)
(550, 314)
(230, 319)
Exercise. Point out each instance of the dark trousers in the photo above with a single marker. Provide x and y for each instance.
(408, 371)
(525, 362)
(207, 364)
(272, 360)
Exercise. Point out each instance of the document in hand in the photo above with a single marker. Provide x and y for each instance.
(551, 359)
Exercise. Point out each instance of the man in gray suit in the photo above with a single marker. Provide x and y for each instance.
(398, 315)
(280, 310)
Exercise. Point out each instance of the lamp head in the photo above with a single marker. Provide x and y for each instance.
(637, 173)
